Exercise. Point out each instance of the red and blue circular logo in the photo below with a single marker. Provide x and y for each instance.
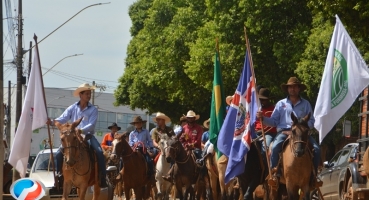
(27, 189)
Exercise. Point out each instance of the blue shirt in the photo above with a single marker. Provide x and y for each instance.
(143, 136)
(281, 116)
(74, 112)
(205, 137)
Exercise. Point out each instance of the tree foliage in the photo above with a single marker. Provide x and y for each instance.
(169, 64)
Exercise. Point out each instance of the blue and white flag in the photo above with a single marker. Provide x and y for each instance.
(238, 129)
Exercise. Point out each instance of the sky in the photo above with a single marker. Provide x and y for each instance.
(100, 33)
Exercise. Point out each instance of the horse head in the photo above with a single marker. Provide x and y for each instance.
(163, 145)
(299, 136)
(70, 140)
(173, 148)
(120, 148)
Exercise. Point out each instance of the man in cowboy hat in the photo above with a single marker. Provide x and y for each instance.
(161, 120)
(109, 137)
(142, 135)
(190, 138)
(281, 118)
(83, 109)
(267, 109)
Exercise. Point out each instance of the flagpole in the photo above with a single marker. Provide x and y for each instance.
(257, 97)
(48, 126)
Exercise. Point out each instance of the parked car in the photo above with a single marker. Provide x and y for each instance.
(339, 174)
(42, 170)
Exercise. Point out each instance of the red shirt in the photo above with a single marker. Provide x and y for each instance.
(267, 112)
(191, 135)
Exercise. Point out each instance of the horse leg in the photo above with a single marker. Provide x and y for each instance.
(139, 191)
(82, 193)
(127, 193)
(96, 193)
(179, 190)
(292, 191)
(66, 190)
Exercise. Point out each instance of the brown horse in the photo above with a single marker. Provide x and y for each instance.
(78, 169)
(185, 170)
(297, 159)
(366, 165)
(134, 172)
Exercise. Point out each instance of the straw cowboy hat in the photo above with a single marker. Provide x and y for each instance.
(264, 93)
(191, 113)
(114, 125)
(206, 123)
(293, 81)
(82, 88)
(137, 119)
(160, 115)
(229, 99)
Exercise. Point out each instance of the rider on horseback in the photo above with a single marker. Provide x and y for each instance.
(142, 135)
(281, 118)
(267, 109)
(83, 108)
(161, 119)
(190, 138)
(106, 143)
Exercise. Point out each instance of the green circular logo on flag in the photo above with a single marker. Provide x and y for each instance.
(340, 79)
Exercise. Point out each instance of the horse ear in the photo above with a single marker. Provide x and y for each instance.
(294, 119)
(307, 117)
(57, 124)
(77, 122)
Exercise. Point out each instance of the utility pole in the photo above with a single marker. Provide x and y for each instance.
(29, 60)
(2, 112)
(9, 119)
(18, 105)
(93, 93)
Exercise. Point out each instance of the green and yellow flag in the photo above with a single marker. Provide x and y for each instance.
(218, 105)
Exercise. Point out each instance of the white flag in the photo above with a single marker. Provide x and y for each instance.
(345, 77)
(33, 116)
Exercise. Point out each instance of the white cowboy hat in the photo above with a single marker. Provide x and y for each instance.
(82, 88)
(160, 115)
(206, 123)
(191, 113)
(229, 99)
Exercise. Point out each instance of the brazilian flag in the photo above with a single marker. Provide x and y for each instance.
(218, 105)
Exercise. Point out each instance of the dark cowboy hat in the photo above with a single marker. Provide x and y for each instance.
(137, 119)
(183, 119)
(114, 125)
(293, 81)
(264, 93)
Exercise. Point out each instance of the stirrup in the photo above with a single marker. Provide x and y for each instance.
(273, 182)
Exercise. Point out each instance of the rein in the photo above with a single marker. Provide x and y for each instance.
(78, 147)
(175, 156)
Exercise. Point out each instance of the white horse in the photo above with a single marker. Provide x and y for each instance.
(162, 168)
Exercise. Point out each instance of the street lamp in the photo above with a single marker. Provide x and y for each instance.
(60, 61)
(96, 4)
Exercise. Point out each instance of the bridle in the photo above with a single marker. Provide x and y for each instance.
(175, 155)
(78, 147)
(293, 144)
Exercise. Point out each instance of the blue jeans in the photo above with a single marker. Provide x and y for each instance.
(269, 137)
(99, 155)
(277, 148)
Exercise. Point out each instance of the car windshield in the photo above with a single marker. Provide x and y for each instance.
(43, 162)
